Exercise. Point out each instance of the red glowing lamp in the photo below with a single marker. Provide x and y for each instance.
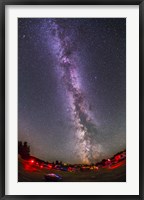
(117, 158)
(31, 161)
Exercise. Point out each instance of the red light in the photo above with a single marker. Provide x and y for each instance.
(117, 158)
(32, 161)
(29, 168)
(49, 166)
(118, 165)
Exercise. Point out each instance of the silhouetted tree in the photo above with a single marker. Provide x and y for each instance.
(57, 162)
(20, 146)
(24, 150)
(60, 162)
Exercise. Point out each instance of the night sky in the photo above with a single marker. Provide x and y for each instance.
(72, 87)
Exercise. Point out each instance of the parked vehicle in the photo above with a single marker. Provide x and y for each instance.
(52, 177)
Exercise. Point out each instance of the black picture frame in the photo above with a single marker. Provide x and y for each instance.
(3, 3)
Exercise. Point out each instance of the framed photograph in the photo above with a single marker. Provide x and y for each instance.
(71, 99)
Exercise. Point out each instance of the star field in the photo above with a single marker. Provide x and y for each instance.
(72, 87)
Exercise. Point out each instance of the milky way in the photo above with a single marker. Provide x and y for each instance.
(64, 48)
(72, 87)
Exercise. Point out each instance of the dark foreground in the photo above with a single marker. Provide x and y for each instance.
(115, 173)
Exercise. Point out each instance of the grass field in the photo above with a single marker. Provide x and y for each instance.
(27, 173)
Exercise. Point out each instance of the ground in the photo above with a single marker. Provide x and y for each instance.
(116, 173)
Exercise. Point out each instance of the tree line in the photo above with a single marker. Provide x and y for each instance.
(23, 150)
